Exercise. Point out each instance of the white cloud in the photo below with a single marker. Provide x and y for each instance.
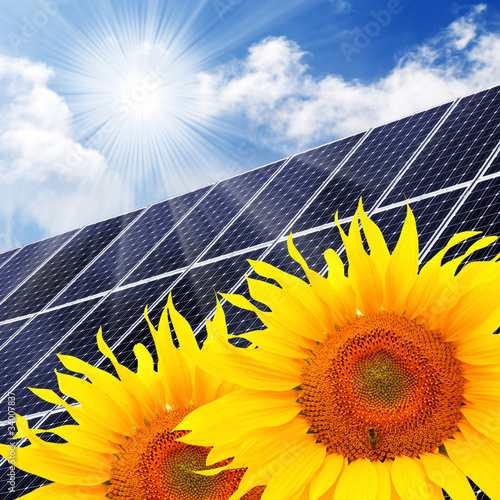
(46, 177)
(273, 86)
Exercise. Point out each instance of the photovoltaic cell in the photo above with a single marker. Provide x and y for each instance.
(458, 149)
(47, 282)
(479, 212)
(194, 296)
(7, 329)
(116, 314)
(183, 246)
(29, 257)
(146, 231)
(371, 168)
(31, 344)
(282, 199)
(7, 255)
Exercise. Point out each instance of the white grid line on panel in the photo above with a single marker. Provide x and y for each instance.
(286, 230)
(47, 306)
(17, 250)
(488, 177)
(54, 347)
(461, 201)
(413, 157)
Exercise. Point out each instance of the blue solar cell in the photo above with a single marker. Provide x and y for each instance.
(194, 295)
(27, 259)
(204, 223)
(371, 169)
(131, 247)
(479, 212)
(284, 197)
(29, 346)
(116, 314)
(7, 329)
(495, 165)
(36, 292)
(458, 149)
(7, 255)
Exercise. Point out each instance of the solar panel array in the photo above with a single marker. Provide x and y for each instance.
(55, 293)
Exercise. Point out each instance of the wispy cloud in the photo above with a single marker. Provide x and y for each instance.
(273, 84)
(46, 177)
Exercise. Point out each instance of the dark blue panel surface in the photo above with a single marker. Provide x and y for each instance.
(480, 212)
(7, 329)
(49, 280)
(284, 197)
(194, 295)
(131, 247)
(207, 220)
(458, 149)
(371, 168)
(30, 345)
(495, 165)
(27, 260)
(7, 255)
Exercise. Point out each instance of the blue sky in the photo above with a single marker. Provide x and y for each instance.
(106, 106)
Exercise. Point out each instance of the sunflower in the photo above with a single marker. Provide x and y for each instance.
(382, 384)
(124, 446)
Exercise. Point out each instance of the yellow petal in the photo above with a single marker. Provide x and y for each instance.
(409, 480)
(326, 476)
(107, 383)
(295, 473)
(176, 370)
(446, 475)
(296, 286)
(482, 350)
(402, 268)
(477, 457)
(362, 269)
(474, 308)
(359, 481)
(484, 419)
(95, 402)
(251, 409)
(426, 288)
(384, 481)
(254, 369)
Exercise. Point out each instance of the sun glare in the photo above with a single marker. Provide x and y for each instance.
(131, 82)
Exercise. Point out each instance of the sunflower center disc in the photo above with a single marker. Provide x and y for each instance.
(154, 466)
(380, 387)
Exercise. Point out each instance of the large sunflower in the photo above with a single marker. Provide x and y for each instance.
(124, 446)
(384, 384)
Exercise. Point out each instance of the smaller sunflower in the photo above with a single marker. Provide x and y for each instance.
(124, 446)
(380, 385)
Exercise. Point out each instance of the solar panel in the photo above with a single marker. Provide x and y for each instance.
(56, 293)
